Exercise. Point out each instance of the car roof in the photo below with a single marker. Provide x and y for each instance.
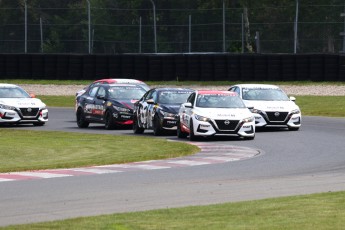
(264, 86)
(203, 92)
(120, 80)
(5, 85)
(173, 89)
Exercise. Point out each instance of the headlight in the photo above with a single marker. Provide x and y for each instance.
(167, 115)
(2, 106)
(121, 109)
(248, 119)
(201, 118)
(296, 111)
(255, 110)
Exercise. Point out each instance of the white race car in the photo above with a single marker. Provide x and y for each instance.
(210, 112)
(271, 106)
(17, 106)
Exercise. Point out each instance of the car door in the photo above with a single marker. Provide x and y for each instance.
(100, 103)
(142, 108)
(88, 102)
(187, 112)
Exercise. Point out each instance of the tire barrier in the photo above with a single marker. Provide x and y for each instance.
(175, 67)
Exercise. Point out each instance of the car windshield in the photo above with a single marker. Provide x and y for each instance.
(173, 97)
(219, 101)
(264, 94)
(13, 92)
(126, 92)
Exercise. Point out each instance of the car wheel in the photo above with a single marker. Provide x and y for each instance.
(109, 121)
(180, 133)
(157, 129)
(38, 123)
(192, 137)
(136, 128)
(249, 138)
(81, 122)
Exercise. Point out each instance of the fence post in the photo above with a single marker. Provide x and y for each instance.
(190, 34)
(296, 28)
(154, 24)
(89, 23)
(26, 26)
(223, 26)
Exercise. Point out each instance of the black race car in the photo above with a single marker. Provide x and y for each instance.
(157, 109)
(110, 104)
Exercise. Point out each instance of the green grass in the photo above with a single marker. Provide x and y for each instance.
(329, 106)
(317, 211)
(332, 106)
(48, 150)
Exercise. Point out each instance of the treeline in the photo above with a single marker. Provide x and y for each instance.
(122, 26)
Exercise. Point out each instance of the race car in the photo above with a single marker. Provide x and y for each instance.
(157, 110)
(271, 105)
(17, 106)
(215, 113)
(114, 81)
(109, 104)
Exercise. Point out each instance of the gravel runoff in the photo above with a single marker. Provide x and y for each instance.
(291, 90)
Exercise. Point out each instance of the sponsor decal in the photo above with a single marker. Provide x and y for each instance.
(171, 122)
(225, 115)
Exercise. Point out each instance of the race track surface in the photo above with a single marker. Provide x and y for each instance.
(285, 163)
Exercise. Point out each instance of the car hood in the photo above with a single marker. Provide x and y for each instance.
(170, 108)
(23, 102)
(124, 103)
(221, 114)
(285, 106)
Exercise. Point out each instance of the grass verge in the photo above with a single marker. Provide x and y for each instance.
(49, 150)
(317, 211)
(332, 106)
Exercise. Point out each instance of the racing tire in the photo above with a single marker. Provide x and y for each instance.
(81, 122)
(136, 128)
(249, 138)
(38, 123)
(179, 132)
(192, 137)
(109, 121)
(157, 128)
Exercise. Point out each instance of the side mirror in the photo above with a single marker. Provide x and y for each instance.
(150, 101)
(101, 97)
(292, 98)
(188, 105)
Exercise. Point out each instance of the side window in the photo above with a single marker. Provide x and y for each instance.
(238, 91)
(191, 98)
(101, 92)
(93, 91)
(154, 96)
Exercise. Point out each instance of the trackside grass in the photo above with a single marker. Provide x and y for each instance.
(307, 212)
(49, 150)
(332, 106)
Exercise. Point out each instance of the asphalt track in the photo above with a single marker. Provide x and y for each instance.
(308, 161)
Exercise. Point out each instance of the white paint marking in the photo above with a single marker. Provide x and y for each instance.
(40, 174)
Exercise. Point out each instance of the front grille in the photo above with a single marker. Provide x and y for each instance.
(277, 116)
(224, 125)
(29, 112)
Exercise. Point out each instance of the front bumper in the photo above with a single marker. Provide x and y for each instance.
(24, 115)
(215, 128)
(283, 120)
